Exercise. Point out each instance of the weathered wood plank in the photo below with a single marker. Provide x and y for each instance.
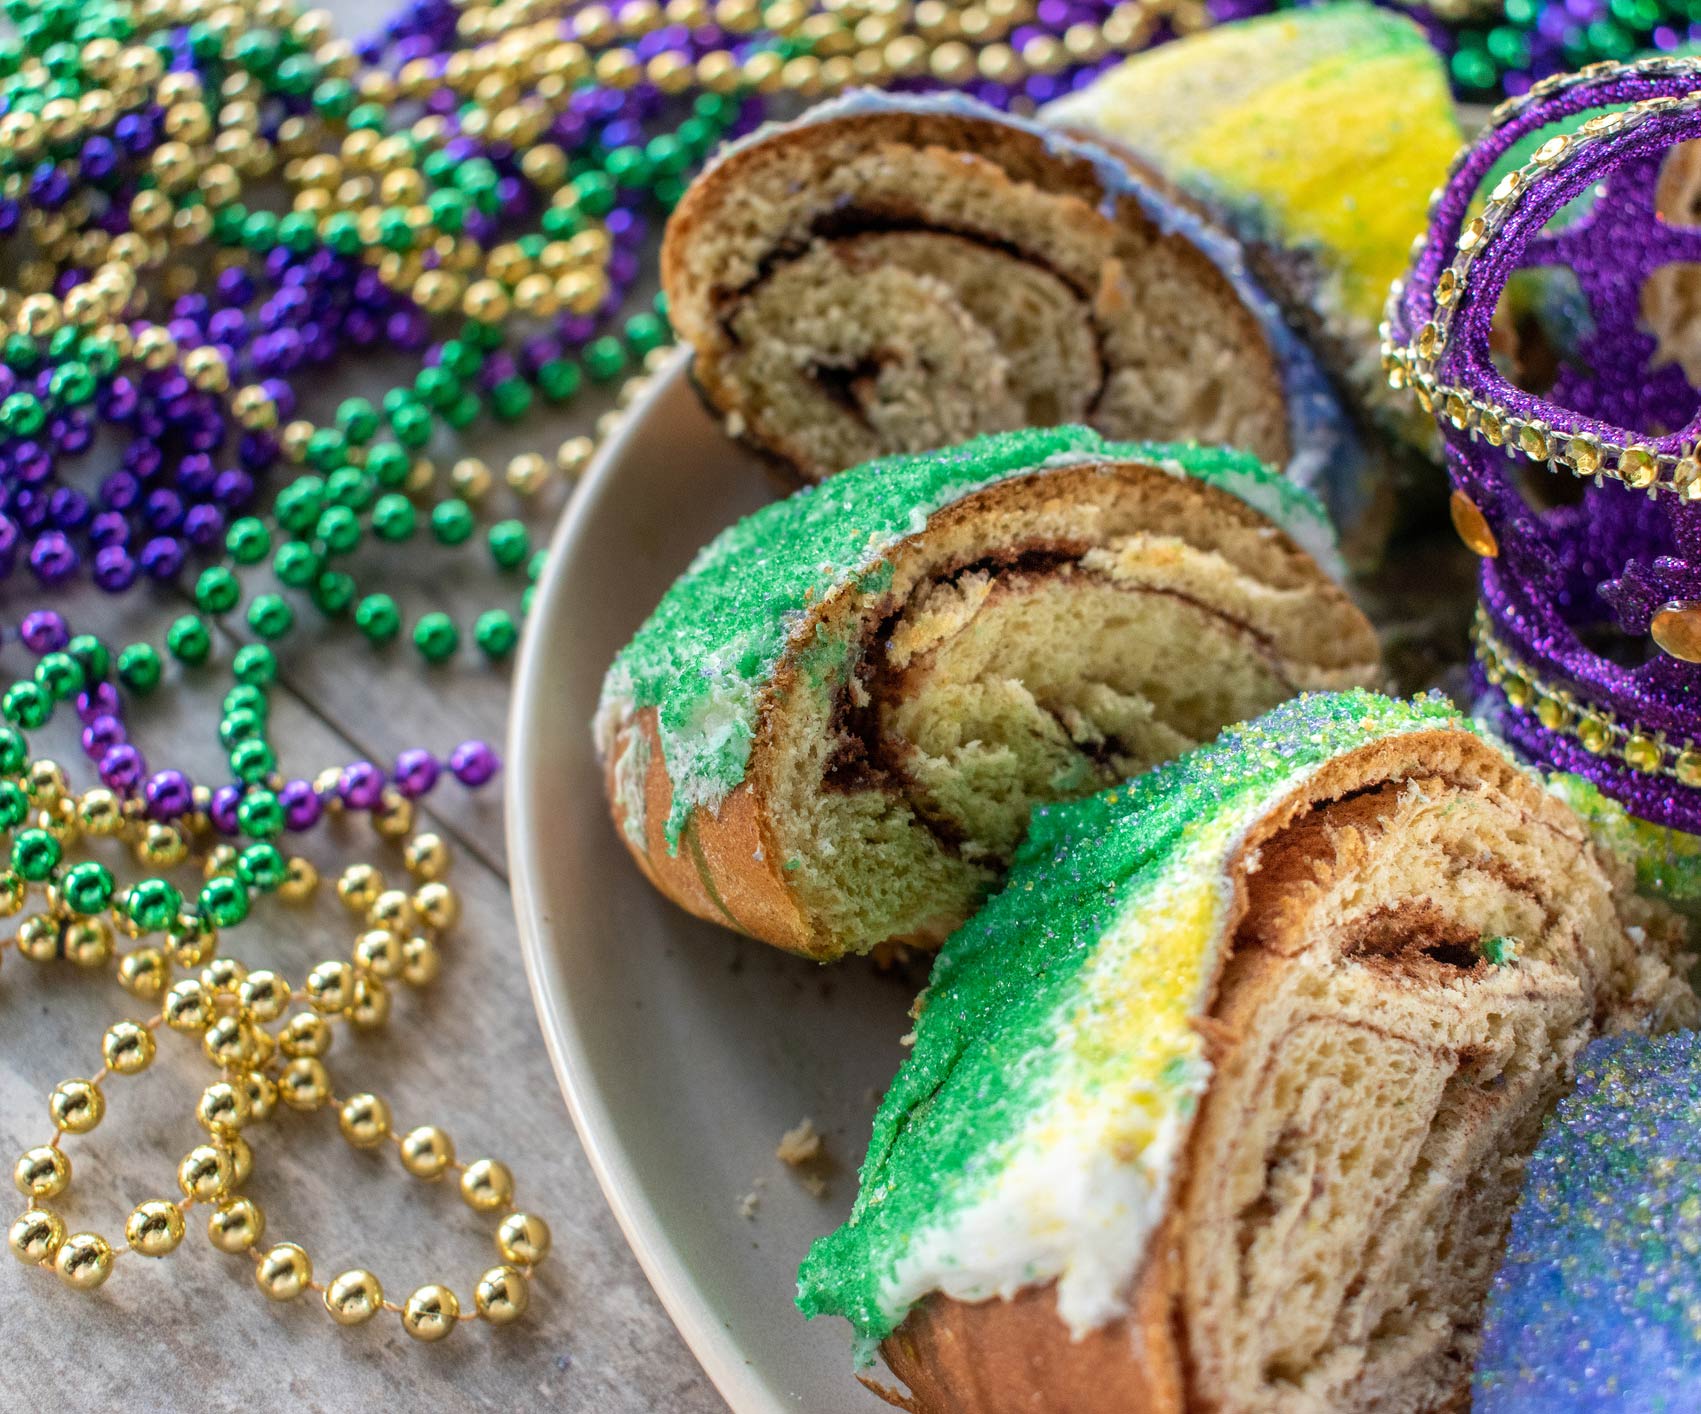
(191, 1331)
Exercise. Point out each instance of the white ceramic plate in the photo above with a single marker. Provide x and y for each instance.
(684, 1052)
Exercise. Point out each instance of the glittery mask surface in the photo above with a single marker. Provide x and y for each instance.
(1584, 500)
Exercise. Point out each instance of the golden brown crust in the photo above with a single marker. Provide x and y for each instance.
(1022, 156)
(698, 292)
(1017, 1356)
(728, 867)
(724, 869)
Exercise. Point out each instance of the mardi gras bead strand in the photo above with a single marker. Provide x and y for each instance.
(230, 1009)
(265, 1051)
(328, 188)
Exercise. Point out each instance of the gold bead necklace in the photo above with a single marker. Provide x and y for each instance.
(268, 1041)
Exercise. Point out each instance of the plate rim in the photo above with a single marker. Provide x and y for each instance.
(692, 1316)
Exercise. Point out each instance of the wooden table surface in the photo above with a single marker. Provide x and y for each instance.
(191, 1332)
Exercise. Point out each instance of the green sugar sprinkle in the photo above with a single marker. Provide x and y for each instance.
(1667, 861)
(715, 639)
(1065, 1007)
(1502, 952)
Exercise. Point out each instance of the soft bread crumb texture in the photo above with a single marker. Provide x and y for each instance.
(1671, 295)
(1039, 639)
(1358, 1155)
(1379, 1085)
(995, 682)
(894, 282)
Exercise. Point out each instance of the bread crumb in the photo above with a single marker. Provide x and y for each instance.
(799, 1144)
(804, 1152)
(888, 957)
(751, 1201)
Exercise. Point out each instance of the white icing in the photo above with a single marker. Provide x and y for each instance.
(1310, 531)
(630, 772)
(1067, 1210)
(1076, 1202)
(724, 718)
(614, 710)
(1081, 458)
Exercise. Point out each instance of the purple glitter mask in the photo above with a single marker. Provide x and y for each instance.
(1588, 636)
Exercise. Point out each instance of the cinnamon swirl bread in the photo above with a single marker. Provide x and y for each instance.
(831, 732)
(1223, 1101)
(895, 273)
